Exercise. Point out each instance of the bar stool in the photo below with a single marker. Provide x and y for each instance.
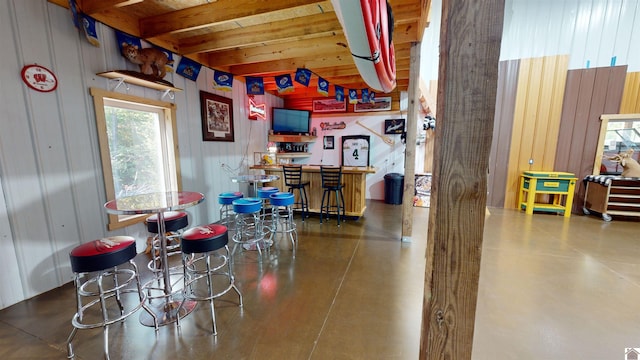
(249, 232)
(293, 181)
(282, 210)
(225, 200)
(331, 183)
(265, 213)
(174, 222)
(202, 262)
(98, 277)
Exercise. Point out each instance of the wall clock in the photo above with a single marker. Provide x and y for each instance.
(39, 78)
(355, 150)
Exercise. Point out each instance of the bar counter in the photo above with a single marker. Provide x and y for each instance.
(354, 179)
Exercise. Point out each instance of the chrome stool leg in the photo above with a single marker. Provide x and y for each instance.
(208, 245)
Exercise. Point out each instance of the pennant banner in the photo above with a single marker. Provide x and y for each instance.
(284, 84)
(303, 76)
(353, 96)
(123, 38)
(222, 80)
(339, 92)
(323, 86)
(188, 68)
(365, 95)
(89, 27)
(255, 85)
(75, 13)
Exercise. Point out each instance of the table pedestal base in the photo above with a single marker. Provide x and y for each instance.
(167, 312)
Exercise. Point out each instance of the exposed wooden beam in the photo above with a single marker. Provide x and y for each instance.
(290, 65)
(425, 17)
(300, 29)
(328, 45)
(410, 151)
(91, 7)
(201, 16)
(467, 83)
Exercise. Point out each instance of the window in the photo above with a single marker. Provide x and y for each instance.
(138, 147)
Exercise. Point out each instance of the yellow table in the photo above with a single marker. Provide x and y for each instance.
(559, 185)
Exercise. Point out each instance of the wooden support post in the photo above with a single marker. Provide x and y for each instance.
(410, 149)
(467, 82)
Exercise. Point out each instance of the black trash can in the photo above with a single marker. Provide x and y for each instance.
(393, 185)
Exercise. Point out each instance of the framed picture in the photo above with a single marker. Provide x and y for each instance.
(355, 150)
(329, 105)
(394, 126)
(380, 104)
(329, 142)
(217, 117)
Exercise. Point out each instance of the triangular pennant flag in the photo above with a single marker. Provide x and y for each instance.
(284, 83)
(123, 38)
(255, 85)
(339, 92)
(303, 76)
(323, 86)
(222, 80)
(75, 13)
(353, 96)
(188, 68)
(89, 26)
(365, 95)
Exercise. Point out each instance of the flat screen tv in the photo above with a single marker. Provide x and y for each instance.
(290, 121)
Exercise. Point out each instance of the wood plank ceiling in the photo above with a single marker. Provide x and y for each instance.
(260, 37)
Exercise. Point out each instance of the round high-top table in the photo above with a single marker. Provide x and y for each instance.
(158, 203)
(255, 179)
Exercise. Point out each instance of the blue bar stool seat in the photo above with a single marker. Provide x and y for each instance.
(227, 215)
(249, 231)
(267, 219)
(282, 214)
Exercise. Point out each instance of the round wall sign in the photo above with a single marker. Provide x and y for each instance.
(39, 78)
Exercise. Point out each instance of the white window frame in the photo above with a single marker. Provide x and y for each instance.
(169, 141)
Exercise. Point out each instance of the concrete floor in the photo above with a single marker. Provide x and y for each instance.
(550, 288)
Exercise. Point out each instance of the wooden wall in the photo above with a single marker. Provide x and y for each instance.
(536, 120)
(631, 95)
(589, 94)
(502, 128)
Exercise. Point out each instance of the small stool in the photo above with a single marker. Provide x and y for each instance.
(174, 222)
(282, 210)
(267, 220)
(225, 200)
(209, 263)
(249, 232)
(102, 258)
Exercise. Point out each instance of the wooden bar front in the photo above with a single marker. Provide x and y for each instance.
(354, 179)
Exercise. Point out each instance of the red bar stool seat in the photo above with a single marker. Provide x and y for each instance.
(206, 259)
(100, 277)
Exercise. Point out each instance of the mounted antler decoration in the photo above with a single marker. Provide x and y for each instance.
(628, 163)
